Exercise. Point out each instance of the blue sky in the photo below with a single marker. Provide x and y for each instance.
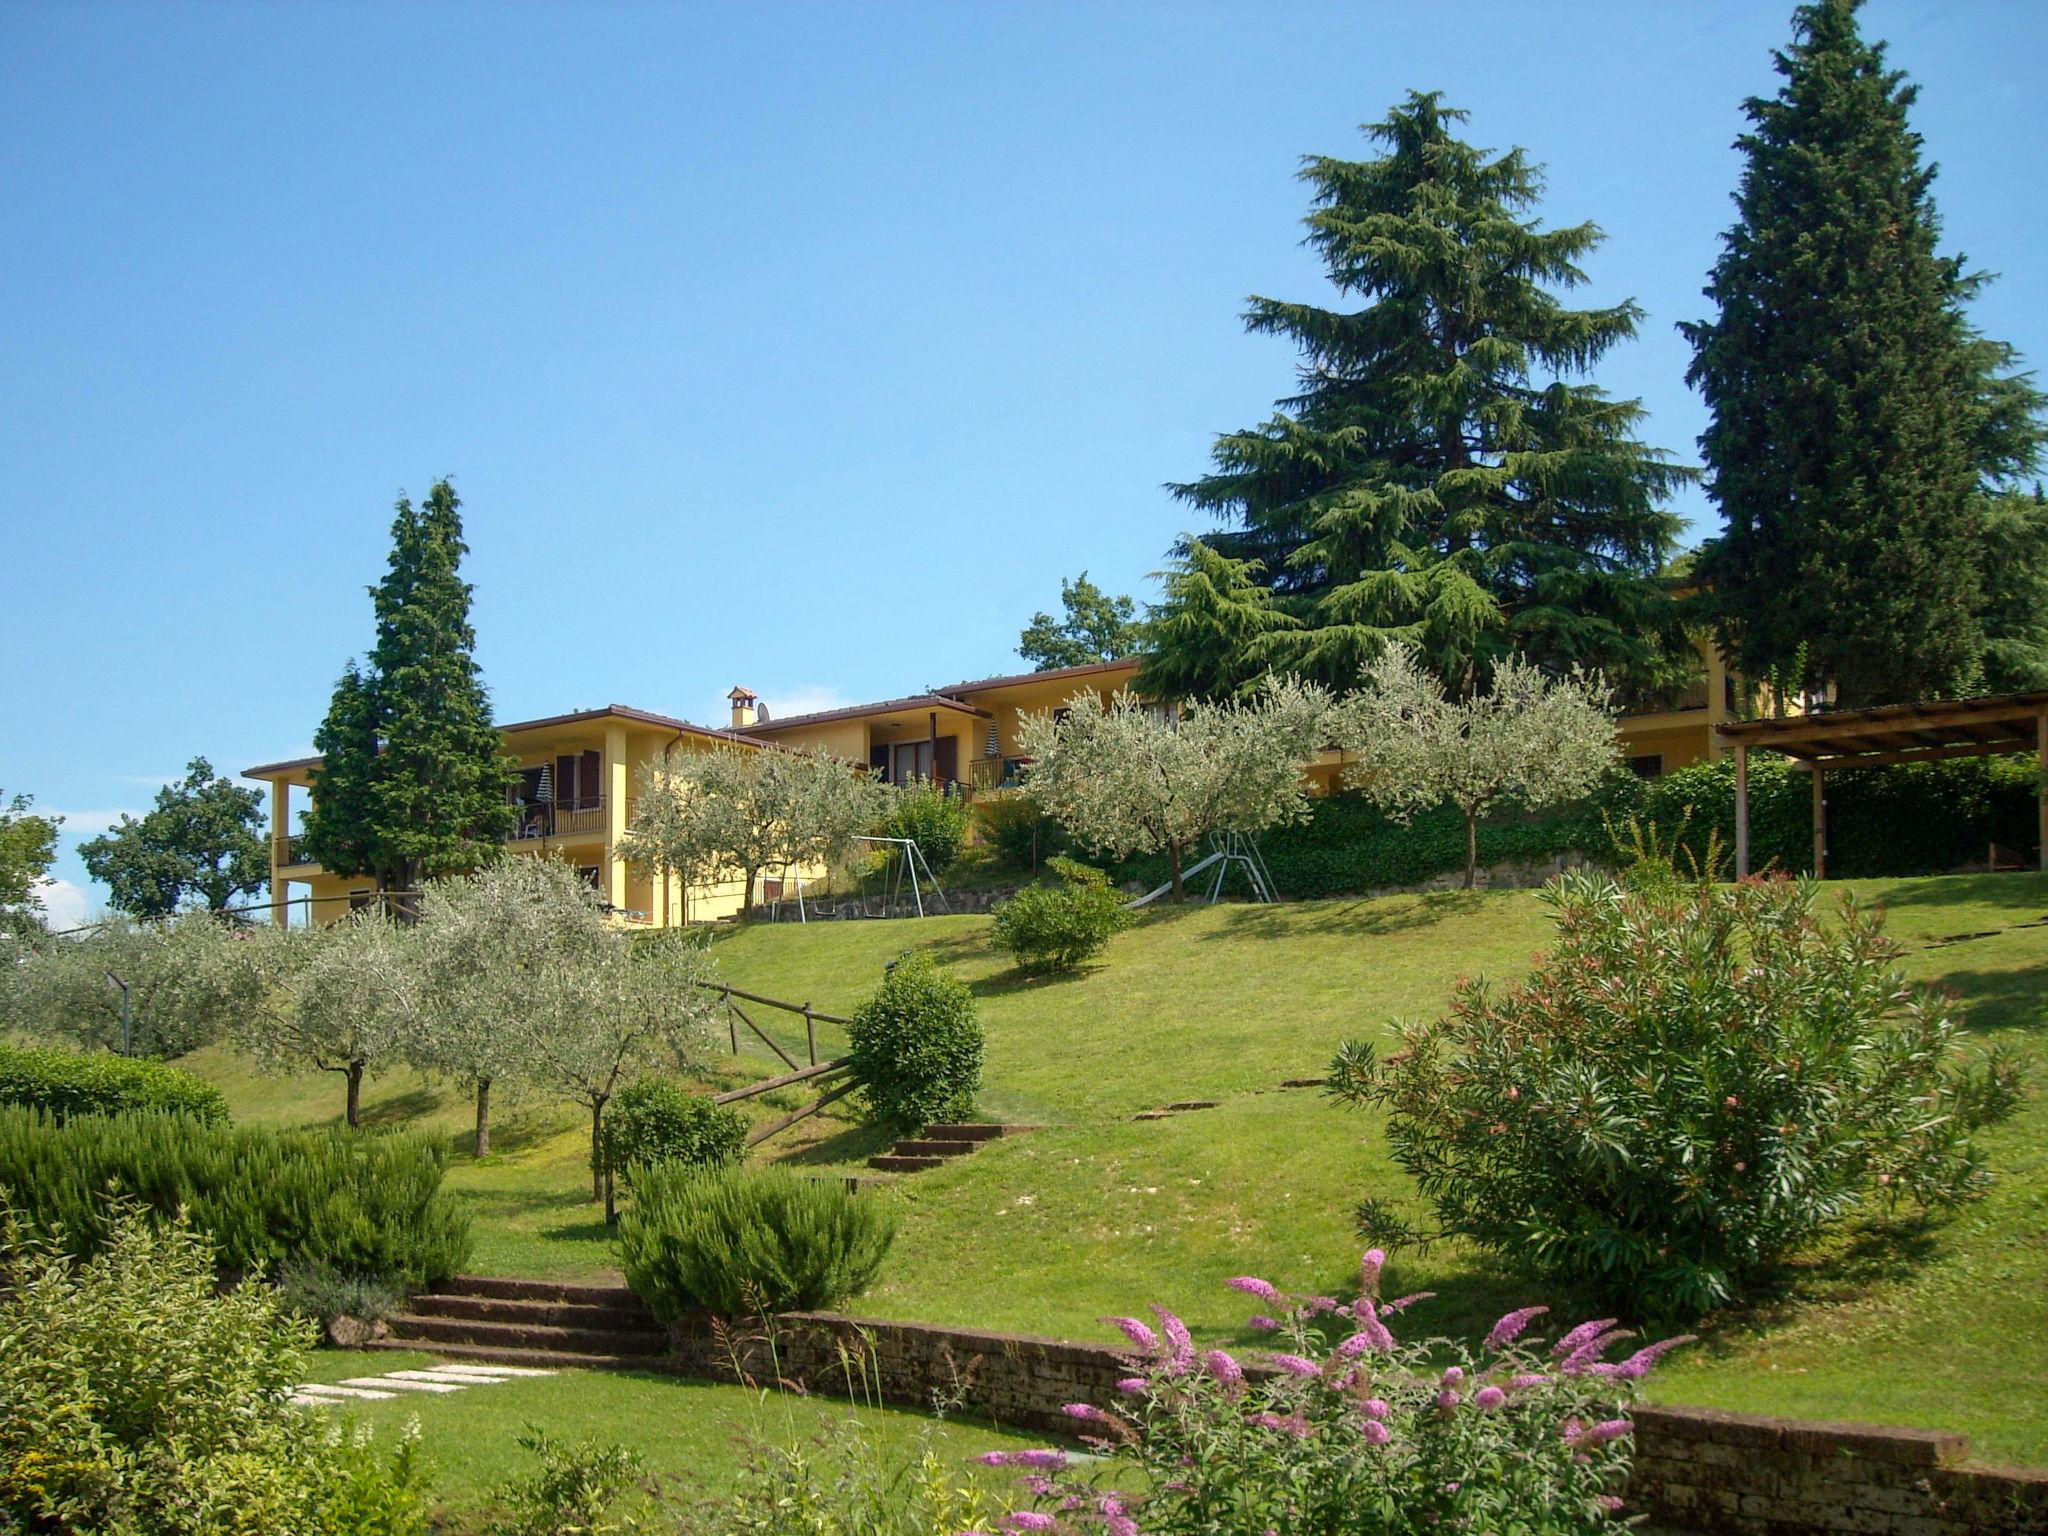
(799, 346)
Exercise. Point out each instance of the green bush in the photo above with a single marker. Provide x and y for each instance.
(732, 1241)
(574, 1491)
(935, 819)
(317, 1290)
(68, 1083)
(1055, 928)
(916, 1047)
(656, 1120)
(1010, 825)
(1693, 1086)
(137, 1397)
(363, 1205)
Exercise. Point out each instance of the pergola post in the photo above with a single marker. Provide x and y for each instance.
(2041, 792)
(1742, 808)
(1820, 824)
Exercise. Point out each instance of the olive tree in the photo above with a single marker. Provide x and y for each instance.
(734, 811)
(154, 988)
(1531, 739)
(347, 1001)
(608, 1006)
(1125, 777)
(481, 941)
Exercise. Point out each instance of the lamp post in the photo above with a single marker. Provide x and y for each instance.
(127, 1025)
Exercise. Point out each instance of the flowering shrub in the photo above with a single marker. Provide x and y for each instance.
(1695, 1084)
(1363, 1435)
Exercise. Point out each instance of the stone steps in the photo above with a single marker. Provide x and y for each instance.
(937, 1145)
(542, 1323)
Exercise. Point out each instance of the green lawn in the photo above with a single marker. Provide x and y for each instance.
(689, 1435)
(1098, 1212)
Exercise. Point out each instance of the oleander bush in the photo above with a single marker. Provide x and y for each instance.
(366, 1205)
(656, 1120)
(915, 1046)
(1057, 927)
(1009, 823)
(137, 1397)
(1693, 1086)
(734, 1242)
(68, 1083)
(1367, 1434)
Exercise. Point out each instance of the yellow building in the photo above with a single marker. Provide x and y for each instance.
(577, 779)
(578, 772)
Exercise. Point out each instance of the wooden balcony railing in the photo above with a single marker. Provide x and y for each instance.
(577, 818)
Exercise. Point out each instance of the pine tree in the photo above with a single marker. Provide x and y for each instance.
(1214, 633)
(1857, 420)
(1438, 480)
(414, 780)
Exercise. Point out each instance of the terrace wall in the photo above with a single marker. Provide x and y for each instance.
(1696, 1470)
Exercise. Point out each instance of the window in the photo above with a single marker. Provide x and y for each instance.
(1648, 766)
(361, 900)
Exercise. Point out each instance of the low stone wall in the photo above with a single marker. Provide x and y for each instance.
(1696, 1470)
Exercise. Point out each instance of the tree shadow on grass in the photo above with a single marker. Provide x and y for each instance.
(592, 1230)
(1989, 1000)
(854, 1144)
(2019, 890)
(1367, 917)
(398, 1109)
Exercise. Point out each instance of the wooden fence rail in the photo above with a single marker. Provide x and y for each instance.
(735, 1016)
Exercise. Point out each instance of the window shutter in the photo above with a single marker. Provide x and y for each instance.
(878, 761)
(946, 760)
(590, 781)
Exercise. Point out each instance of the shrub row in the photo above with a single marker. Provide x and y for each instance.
(363, 1205)
(68, 1083)
(1906, 819)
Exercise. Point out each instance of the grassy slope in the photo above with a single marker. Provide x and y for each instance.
(1099, 1213)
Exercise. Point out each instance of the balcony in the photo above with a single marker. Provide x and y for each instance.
(289, 852)
(568, 818)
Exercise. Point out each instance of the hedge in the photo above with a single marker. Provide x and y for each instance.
(68, 1083)
(368, 1205)
(1905, 819)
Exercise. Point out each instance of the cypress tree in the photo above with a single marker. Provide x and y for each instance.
(1439, 478)
(414, 782)
(1857, 420)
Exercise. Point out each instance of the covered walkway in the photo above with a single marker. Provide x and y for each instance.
(1887, 733)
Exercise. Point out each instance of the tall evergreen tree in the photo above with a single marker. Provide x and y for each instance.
(414, 780)
(1438, 480)
(1857, 420)
(1210, 633)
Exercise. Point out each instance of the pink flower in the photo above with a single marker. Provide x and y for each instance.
(1527, 1380)
(1608, 1502)
(1036, 1485)
(1136, 1332)
(1047, 1461)
(1447, 1399)
(1296, 1365)
(1252, 1285)
(1572, 1431)
(1375, 1408)
(1177, 1336)
(1312, 1305)
(1510, 1327)
(1580, 1361)
(1454, 1375)
(1579, 1335)
(1388, 1309)
(1637, 1365)
(1489, 1398)
(1369, 1271)
(1372, 1335)
(1132, 1385)
(1609, 1429)
(1376, 1433)
(1091, 1414)
(1119, 1525)
(1030, 1520)
(1293, 1424)
(1263, 1323)
(1224, 1369)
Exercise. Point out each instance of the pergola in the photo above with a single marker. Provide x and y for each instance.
(1887, 733)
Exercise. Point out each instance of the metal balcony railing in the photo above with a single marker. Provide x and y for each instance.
(289, 851)
(567, 818)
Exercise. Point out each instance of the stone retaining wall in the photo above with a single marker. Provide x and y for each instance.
(1696, 1470)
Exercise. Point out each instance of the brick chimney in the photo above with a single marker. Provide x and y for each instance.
(745, 708)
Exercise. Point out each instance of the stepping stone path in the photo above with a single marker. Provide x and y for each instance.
(936, 1144)
(1180, 1108)
(439, 1379)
